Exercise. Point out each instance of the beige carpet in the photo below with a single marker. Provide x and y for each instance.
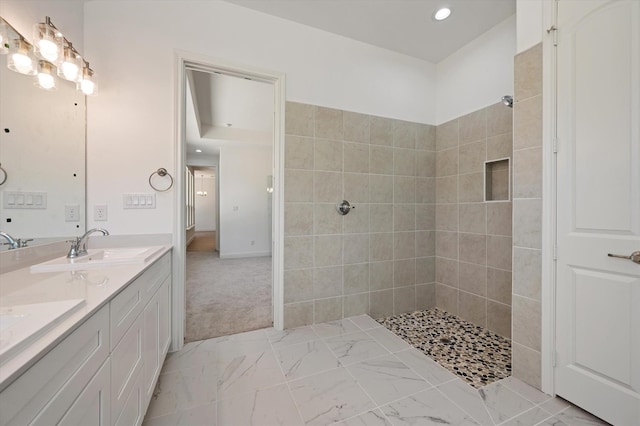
(226, 296)
(203, 241)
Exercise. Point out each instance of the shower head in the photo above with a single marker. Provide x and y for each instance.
(508, 100)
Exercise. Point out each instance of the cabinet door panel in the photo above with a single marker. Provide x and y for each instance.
(50, 386)
(127, 364)
(133, 409)
(151, 346)
(164, 305)
(92, 405)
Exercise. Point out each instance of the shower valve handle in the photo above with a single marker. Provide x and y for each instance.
(344, 207)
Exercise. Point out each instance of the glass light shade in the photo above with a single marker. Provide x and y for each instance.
(45, 79)
(47, 42)
(4, 38)
(87, 84)
(21, 58)
(70, 65)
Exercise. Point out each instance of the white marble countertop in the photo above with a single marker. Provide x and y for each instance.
(97, 287)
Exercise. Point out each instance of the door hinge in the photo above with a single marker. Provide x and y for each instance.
(555, 145)
(555, 252)
(553, 29)
(554, 358)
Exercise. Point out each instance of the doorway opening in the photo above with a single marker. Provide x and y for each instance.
(230, 134)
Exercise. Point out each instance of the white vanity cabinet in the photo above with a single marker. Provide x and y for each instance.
(105, 371)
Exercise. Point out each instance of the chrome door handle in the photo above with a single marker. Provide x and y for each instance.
(634, 257)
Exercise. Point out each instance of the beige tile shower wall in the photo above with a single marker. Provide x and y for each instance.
(527, 219)
(378, 259)
(473, 237)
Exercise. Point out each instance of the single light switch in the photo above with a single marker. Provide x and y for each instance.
(38, 200)
(28, 199)
(20, 200)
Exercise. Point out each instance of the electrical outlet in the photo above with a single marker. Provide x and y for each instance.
(100, 213)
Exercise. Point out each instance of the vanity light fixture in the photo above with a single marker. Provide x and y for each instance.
(54, 51)
(70, 64)
(21, 58)
(45, 76)
(441, 14)
(198, 150)
(87, 84)
(47, 41)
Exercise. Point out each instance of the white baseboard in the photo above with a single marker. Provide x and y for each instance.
(242, 255)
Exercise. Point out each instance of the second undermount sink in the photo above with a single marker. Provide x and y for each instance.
(99, 258)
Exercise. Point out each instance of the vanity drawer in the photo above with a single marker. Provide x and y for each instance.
(155, 276)
(126, 366)
(125, 308)
(44, 392)
(127, 305)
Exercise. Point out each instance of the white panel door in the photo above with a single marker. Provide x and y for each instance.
(598, 297)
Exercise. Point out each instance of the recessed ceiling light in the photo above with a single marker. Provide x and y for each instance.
(228, 124)
(198, 150)
(442, 14)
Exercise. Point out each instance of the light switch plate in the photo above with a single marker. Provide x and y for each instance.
(139, 201)
(72, 213)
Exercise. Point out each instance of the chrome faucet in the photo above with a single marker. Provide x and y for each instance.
(12, 242)
(79, 245)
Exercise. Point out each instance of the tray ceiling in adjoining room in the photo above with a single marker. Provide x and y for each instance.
(223, 109)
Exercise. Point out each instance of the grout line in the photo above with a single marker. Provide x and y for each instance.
(285, 381)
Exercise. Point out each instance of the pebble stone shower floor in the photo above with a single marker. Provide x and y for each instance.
(477, 355)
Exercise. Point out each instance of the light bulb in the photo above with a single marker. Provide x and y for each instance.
(48, 50)
(22, 63)
(47, 41)
(87, 84)
(70, 65)
(45, 78)
(46, 81)
(87, 87)
(70, 71)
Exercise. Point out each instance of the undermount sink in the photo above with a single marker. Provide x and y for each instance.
(20, 325)
(99, 258)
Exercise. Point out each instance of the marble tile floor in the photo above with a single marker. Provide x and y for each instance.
(475, 354)
(348, 372)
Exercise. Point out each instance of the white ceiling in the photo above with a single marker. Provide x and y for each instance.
(403, 26)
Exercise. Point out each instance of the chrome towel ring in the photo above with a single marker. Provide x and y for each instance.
(162, 172)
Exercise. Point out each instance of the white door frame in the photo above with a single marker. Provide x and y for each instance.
(182, 60)
(549, 191)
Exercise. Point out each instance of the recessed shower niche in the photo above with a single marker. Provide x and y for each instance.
(497, 180)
